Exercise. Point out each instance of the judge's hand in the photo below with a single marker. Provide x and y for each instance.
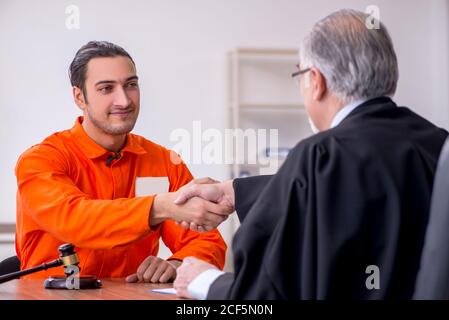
(208, 189)
(155, 270)
(190, 268)
(196, 210)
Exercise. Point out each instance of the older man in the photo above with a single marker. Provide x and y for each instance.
(346, 214)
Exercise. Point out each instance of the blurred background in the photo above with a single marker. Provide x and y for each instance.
(189, 60)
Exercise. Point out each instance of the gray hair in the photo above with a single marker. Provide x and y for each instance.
(357, 62)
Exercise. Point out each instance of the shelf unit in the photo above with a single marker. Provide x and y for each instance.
(262, 95)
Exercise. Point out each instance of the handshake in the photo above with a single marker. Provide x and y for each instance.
(200, 205)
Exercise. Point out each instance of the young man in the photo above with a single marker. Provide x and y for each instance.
(79, 185)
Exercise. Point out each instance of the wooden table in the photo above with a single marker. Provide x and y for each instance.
(112, 289)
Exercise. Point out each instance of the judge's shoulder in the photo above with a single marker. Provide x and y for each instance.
(316, 142)
(364, 134)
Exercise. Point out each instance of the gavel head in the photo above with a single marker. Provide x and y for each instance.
(69, 258)
(72, 280)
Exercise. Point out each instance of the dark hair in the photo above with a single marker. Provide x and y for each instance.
(93, 49)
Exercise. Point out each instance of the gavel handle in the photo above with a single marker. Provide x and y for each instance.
(18, 274)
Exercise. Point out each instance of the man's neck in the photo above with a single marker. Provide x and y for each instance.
(113, 143)
(333, 106)
(344, 111)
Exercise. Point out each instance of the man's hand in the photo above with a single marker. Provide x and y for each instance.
(208, 189)
(220, 193)
(198, 211)
(185, 193)
(190, 268)
(155, 270)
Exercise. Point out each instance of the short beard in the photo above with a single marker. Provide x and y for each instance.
(112, 130)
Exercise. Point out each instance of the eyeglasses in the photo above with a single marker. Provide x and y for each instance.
(297, 73)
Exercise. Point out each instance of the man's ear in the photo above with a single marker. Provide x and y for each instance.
(318, 84)
(78, 96)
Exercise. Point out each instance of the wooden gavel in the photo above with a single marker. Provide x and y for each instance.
(67, 258)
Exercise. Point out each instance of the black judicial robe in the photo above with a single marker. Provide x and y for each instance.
(347, 198)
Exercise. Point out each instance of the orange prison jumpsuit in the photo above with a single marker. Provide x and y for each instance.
(67, 194)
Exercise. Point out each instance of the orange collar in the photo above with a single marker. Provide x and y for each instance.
(94, 150)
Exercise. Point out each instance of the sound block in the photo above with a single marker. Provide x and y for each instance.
(76, 283)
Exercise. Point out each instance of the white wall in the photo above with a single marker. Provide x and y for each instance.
(180, 49)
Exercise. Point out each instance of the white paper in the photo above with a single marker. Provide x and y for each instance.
(147, 186)
(165, 291)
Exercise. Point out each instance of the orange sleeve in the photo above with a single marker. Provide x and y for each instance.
(59, 207)
(207, 246)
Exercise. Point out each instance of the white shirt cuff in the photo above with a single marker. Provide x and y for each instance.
(199, 287)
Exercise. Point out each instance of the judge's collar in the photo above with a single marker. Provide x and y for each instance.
(345, 111)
